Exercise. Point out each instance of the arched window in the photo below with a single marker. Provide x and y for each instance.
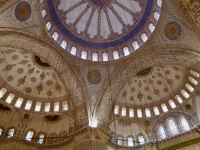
(116, 111)
(115, 55)
(161, 133)
(144, 37)
(63, 44)
(73, 50)
(172, 127)
(184, 93)
(126, 51)
(184, 124)
(194, 73)
(38, 106)
(164, 107)
(55, 36)
(19, 102)
(56, 106)
(189, 87)
(1, 130)
(172, 104)
(48, 25)
(105, 56)
(131, 112)
(41, 138)
(135, 45)
(95, 57)
(65, 105)
(11, 133)
(156, 110)
(123, 111)
(84, 55)
(29, 135)
(156, 15)
(130, 141)
(141, 139)
(151, 27)
(179, 99)
(43, 13)
(2, 92)
(28, 105)
(139, 113)
(148, 112)
(120, 140)
(47, 107)
(193, 80)
(159, 3)
(10, 98)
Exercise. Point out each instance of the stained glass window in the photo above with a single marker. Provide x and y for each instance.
(29, 135)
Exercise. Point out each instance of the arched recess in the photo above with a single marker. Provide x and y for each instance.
(37, 46)
(175, 115)
(50, 124)
(179, 57)
(9, 118)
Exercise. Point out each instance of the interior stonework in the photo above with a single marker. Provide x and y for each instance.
(99, 74)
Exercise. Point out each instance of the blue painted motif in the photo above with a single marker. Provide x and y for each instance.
(103, 45)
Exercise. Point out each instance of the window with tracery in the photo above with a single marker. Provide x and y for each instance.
(29, 135)
(148, 112)
(73, 50)
(141, 139)
(10, 98)
(126, 51)
(38, 106)
(47, 107)
(115, 55)
(179, 99)
(172, 104)
(135, 45)
(28, 105)
(164, 107)
(41, 138)
(123, 111)
(56, 106)
(139, 113)
(156, 15)
(95, 57)
(65, 105)
(116, 111)
(63, 44)
(184, 123)
(2, 92)
(11, 133)
(172, 127)
(161, 133)
(84, 55)
(105, 56)
(156, 110)
(19, 102)
(120, 140)
(131, 112)
(130, 141)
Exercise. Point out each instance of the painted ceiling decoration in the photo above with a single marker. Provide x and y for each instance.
(24, 75)
(106, 30)
(41, 62)
(173, 30)
(23, 11)
(52, 117)
(144, 72)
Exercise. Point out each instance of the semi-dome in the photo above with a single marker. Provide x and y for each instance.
(100, 30)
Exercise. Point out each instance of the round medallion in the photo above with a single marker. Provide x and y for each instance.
(28, 90)
(94, 76)
(23, 11)
(101, 27)
(33, 79)
(15, 57)
(20, 70)
(10, 78)
(172, 30)
(26, 116)
(147, 123)
(2, 60)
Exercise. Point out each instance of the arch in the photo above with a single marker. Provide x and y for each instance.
(30, 135)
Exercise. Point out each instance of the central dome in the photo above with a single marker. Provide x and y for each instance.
(101, 30)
